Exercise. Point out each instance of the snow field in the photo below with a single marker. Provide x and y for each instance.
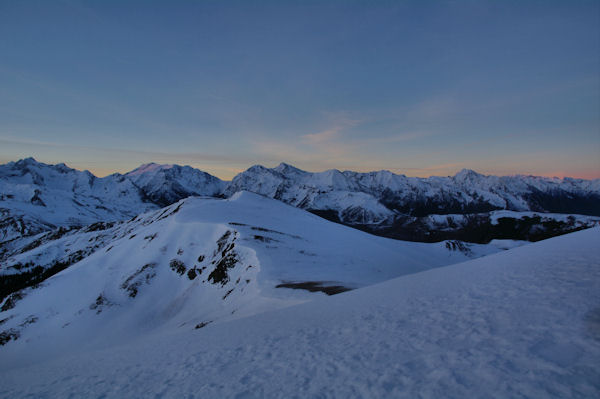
(522, 323)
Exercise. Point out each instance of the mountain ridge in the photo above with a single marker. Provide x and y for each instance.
(201, 260)
(36, 197)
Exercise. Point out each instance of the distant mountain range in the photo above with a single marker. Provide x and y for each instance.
(375, 196)
(36, 197)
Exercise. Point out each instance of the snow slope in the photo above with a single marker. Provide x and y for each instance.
(522, 323)
(201, 260)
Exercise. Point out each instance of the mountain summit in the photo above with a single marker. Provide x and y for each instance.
(166, 184)
(148, 168)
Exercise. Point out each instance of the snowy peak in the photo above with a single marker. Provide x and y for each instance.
(330, 191)
(30, 161)
(35, 196)
(148, 168)
(285, 168)
(166, 184)
(466, 175)
(33, 171)
(466, 192)
(57, 195)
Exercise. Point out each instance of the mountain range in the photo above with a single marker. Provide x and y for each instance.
(172, 259)
(36, 197)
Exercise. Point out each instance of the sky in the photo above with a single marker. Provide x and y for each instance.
(416, 87)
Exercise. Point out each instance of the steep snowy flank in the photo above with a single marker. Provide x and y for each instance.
(199, 261)
(522, 323)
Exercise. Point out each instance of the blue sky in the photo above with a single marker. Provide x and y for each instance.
(421, 88)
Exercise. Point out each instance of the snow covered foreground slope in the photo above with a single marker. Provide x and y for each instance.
(199, 261)
(522, 323)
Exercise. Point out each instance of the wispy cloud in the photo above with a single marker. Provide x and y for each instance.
(321, 137)
(339, 122)
(322, 149)
(339, 146)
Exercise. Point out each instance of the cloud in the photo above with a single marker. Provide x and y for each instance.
(323, 149)
(334, 147)
(321, 137)
(300, 152)
(339, 122)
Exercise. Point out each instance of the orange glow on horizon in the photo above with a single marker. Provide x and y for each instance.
(227, 174)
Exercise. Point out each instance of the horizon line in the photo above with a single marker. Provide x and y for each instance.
(121, 172)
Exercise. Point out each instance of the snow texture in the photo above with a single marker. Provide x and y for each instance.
(521, 323)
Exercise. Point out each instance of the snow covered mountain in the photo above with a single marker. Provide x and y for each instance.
(167, 184)
(199, 261)
(36, 197)
(374, 197)
(436, 208)
(522, 323)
